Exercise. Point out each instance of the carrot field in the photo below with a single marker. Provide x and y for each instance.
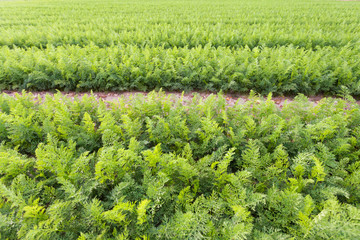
(283, 47)
(245, 125)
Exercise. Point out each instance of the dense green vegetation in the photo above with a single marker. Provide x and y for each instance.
(153, 168)
(278, 46)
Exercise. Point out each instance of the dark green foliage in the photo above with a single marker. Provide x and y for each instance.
(122, 67)
(151, 168)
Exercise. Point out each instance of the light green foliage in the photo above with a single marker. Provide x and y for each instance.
(158, 169)
(278, 46)
(13, 164)
(141, 211)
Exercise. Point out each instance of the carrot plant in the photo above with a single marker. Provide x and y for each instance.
(236, 46)
(283, 70)
(153, 168)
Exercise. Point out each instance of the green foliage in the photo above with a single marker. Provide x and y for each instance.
(254, 70)
(158, 169)
(175, 24)
(234, 46)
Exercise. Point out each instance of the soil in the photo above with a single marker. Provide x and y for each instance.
(231, 99)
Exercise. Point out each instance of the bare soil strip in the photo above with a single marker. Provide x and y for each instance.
(231, 99)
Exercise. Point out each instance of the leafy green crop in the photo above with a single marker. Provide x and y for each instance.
(281, 70)
(172, 23)
(153, 168)
(284, 47)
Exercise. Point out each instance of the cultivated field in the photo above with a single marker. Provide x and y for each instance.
(151, 168)
(164, 166)
(284, 47)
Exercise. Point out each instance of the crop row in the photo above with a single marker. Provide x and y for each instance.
(152, 168)
(282, 70)
(178, 35)
(174, 24)
(268, 46)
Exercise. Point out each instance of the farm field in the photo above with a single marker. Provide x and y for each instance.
(272, 154)
(154, 168)
(283, 47)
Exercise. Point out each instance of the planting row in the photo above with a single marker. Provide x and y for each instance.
(283, 70)
(175, 24)
(154, 168)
